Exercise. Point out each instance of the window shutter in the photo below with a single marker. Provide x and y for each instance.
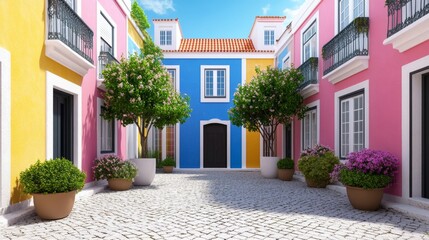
(106, 30)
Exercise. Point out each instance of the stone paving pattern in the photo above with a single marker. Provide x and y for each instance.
(220, 205)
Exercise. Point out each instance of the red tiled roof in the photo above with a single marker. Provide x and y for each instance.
(165, 20)
(274, 17)
(216, 45)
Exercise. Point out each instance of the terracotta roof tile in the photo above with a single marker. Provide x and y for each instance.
(275, 17)
(165, 20)
(216, 45)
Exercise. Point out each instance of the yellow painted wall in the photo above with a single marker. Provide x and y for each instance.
(252, 138)
(22, 33)
(134, 34)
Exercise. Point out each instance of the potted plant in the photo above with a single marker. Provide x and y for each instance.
(316, 164)
(168, 164)
(119, 174)
(365, 176)
(285, 169)
(138, 91)
(53, 184)
(270, 99)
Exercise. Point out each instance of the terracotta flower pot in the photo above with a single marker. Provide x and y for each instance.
(365, 199)
(316, 183)
(285, 174)
(168, 169)
(55, 205)
(120, 184)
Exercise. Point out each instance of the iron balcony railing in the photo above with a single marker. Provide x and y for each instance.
(65, 25)
(309, 70)
(104, 59)
(350, 42)
(402, 13)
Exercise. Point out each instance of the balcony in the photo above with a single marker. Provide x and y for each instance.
(105, 58)
(309, 70)
(408, 22)
(347, 53)
(70, 40)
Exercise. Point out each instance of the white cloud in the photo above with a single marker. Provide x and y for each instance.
(290, 13)
(266, 9)
(157, 6)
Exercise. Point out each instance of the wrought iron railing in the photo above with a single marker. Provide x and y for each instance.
(402, 13)
(104, 59)
(65, 25)
(352, 41)
(309, 70)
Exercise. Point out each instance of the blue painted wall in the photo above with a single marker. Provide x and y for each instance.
(279, 59)
(190, 80)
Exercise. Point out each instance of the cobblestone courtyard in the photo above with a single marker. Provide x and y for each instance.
(220, 205)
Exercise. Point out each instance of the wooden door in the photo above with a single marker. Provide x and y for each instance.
(215, 148)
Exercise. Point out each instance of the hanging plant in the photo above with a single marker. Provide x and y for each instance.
(361, 24)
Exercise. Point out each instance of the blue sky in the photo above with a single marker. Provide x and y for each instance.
(217, 18)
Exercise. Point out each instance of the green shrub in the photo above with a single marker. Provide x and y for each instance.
(169, 161)
(318, 167)
(113, 167)
(285, 163)
(354, 178)
(52, 176)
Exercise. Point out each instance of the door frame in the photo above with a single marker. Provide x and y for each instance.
(411, 127)
(228, 140)
(5, 128)
(425, 126)
(284, 140)
(56, 82)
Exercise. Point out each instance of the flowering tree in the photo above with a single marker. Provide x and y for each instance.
(270, 99)
(138, 91)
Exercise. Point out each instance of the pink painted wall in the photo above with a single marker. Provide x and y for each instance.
(384, 75)
(90, 92)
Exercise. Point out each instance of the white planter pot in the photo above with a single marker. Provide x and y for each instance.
(269, 167)
(146, 168)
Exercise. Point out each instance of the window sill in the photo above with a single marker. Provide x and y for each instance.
(310, 90)
(350, 68)
(215, 100)
(410, 36)
(61, 53)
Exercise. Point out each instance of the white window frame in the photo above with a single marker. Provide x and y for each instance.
(5, 130)
(285, 63)
(351, 13)
(164, 40)
(313, 19)
(314, 106)
(271, 37)
(100, 104)
(362, 86)
(101, 10)
(227, 83)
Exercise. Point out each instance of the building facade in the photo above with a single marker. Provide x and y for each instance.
(51, 96)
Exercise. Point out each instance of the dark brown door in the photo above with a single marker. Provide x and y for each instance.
(288, 141)
(425, 157)
(215, 146)
(63, 125)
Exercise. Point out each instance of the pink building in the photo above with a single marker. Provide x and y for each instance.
(366, 66)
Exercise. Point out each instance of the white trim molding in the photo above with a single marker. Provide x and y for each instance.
(364, 85)
(228, 140)
(5, 131)
(410, 36)
(412, 80)
(56, 82)
(202, 84)
(243, 130)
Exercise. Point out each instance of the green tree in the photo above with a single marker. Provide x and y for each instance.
(270, 99)
(139, 16)
(138, 91)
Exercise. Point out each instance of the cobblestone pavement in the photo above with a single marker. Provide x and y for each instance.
(220, 205)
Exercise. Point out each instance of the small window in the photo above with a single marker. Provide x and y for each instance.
(309, 45)
(165, 37)
(107, 134)
(349, 10)
(269, 37)
(352, 123)
(215, 83)
(309, 129)
(172, 73)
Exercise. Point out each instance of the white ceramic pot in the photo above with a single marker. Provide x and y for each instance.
(146, 168)
(269, 167)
